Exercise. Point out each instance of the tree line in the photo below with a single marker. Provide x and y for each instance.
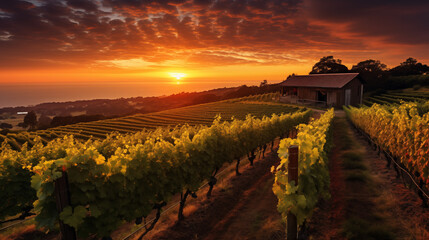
(377, 75)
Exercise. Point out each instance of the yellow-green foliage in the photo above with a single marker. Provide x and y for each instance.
(401, 130)
(122, 177)
(313, 173)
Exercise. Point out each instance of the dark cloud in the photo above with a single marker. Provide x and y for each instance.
(398, 21)
(86, 5)
(84, 31)
(15, 6)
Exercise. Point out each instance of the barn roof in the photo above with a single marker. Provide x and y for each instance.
(333, 80)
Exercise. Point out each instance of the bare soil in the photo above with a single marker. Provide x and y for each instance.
(328, 217)
(407, 214)
(245, 208)
(380, 201)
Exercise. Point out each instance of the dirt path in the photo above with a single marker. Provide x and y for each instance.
(245, 208)
(254, 217)
(367, 201)
(327, 218)
(407, 215)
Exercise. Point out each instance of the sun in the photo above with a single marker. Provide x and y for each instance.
(178, 76)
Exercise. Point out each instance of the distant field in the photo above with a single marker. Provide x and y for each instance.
(203, 114)
(14, 121)
(397, 97)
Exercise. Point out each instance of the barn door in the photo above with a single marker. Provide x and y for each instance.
(348, 95)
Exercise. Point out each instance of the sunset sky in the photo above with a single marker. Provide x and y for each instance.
(219, 40)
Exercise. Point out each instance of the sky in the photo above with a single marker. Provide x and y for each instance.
(215, 40)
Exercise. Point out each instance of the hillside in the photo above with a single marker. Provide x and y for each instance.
(126, 106)
(188, 157)
(395, 97)
(203, 114)
(348, 192)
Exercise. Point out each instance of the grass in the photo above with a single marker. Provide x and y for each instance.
(363, 220)
(353, 161)
(396, 96)
(352, 165)
(257, 221)
(358, 229)
(352, 156)
(357, 176)
(342, 134)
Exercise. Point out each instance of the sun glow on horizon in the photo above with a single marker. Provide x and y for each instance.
(178, 76)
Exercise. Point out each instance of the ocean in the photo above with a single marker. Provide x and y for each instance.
(25, 94)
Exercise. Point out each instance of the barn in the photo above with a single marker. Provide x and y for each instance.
(336, 89)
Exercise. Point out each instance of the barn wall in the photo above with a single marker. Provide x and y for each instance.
(332, 98)
(335, 97)
(341, 97)
(311, 94)
(355, 86)
(307, 93)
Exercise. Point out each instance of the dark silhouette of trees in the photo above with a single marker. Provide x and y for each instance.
(66, 120)
(373, 72)
(372, 66)
(5, 126)
(30, 120)
(377, 76)
(4, 131)
(44, 122)
(409, 67)
(291, 75)
(329, 64)
(206, 98)
(263, 83)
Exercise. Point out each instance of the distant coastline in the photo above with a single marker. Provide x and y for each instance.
(14, 95)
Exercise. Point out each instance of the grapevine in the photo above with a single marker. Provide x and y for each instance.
(403, 131)
(124, 177)
(313, 141)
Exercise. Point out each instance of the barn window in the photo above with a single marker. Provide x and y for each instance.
(321, 96)
(291, 92)
(294, 91)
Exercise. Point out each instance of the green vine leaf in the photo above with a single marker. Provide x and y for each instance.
(73, 217)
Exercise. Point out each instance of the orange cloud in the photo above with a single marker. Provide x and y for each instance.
(148, 37)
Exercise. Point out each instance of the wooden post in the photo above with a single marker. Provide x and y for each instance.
(62, 197)
(292, 228)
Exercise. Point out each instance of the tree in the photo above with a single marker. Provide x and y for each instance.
(291, 75)
(44, 122)
(373, 72)
(205, 98)
(410, 67)
(329, 65)
(263, 83)
(30, 120)
(5, 126)
(4, 131)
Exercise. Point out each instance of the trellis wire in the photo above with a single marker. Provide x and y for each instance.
(172, 206)
(392, 158)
